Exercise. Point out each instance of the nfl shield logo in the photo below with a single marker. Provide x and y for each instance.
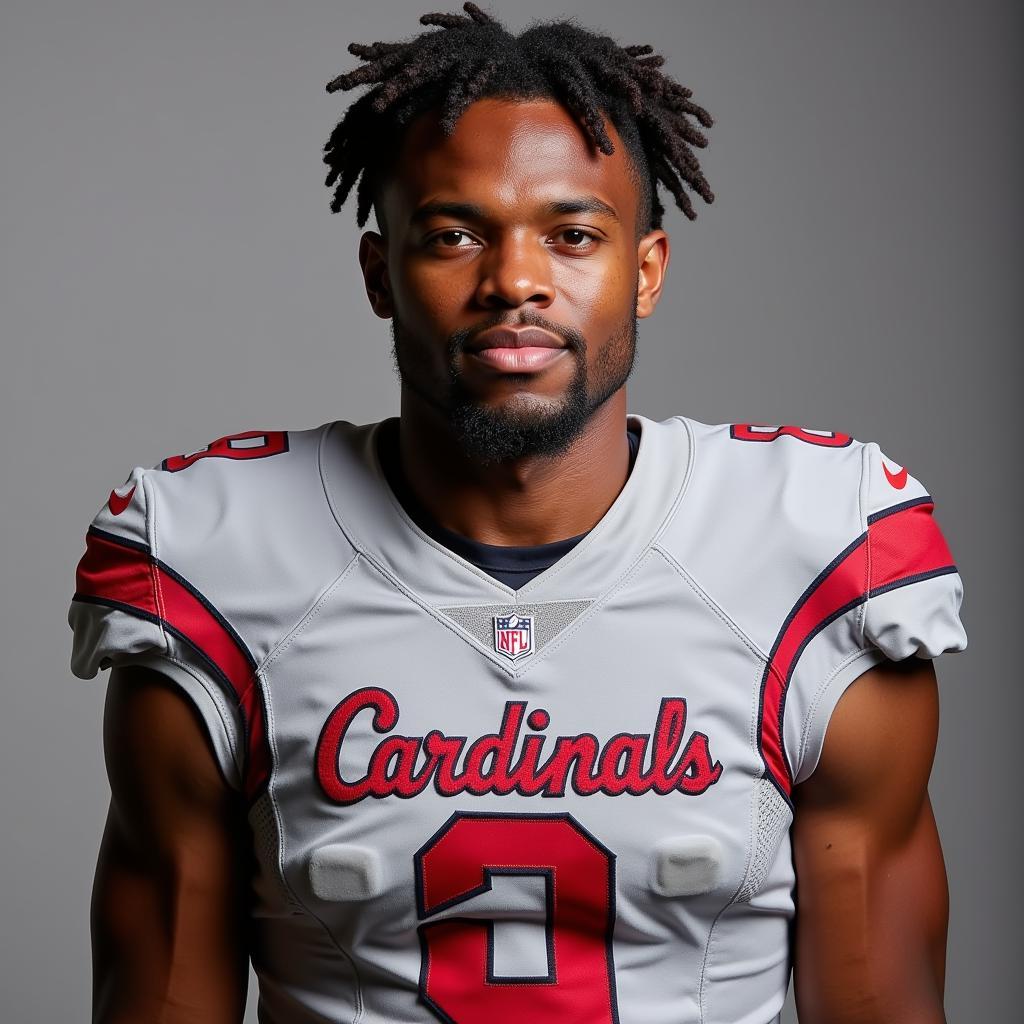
(513, 635)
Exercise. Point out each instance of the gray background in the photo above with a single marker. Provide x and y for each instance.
(171, 273)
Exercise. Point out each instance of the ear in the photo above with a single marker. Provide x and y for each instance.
(653, 255)
(373, 259)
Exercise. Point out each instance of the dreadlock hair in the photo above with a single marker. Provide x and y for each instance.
(474, 56)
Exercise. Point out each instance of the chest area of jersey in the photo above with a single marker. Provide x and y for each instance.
(633, 715)
(444, 801)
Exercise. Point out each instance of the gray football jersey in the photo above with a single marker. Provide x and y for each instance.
(565, 803)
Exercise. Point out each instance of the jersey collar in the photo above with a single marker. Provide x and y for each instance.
(378, 527)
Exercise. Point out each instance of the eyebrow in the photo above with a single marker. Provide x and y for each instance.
(471, 211)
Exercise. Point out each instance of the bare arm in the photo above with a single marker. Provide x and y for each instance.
(168, 909)
(872, 900)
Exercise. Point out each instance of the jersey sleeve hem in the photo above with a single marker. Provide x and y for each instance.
(824, 702)
(222, 731)
(130, 608)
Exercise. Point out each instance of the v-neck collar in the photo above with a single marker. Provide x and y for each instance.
(513, 564)
(377, 525)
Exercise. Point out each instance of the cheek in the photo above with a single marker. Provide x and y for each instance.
(597, 301)
(431, 290)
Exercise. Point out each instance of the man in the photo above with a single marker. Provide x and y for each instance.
(514, 708)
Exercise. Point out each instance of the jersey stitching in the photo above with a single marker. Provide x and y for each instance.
(862, 503)
(154, 551)
(215, 695)
(749, 843)
(716, 608)
(581, 549)
(819, 693)
(218, 700)
(461, 562)
(253, 680)
(678, 566)
(151, 524)
(440, 618)
(860, 618)
(397, 583)
(512, 595)
(151, 528)
(272, 741)
(306, 618)
(755, 696)
(447, 552)
(362, 548)
(629, 572)
(456, 559)
(584, 616)
(684, 484)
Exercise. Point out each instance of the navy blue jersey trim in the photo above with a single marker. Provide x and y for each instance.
(183, 582)
(904, 581)
(793, 612)
(512, 565)
(209, 606)
(925, 499)
(213, 669)
(114, 538)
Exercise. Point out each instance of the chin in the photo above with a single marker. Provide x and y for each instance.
(526, 406)
(523, 426)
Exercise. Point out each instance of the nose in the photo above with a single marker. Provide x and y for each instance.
(515, 270)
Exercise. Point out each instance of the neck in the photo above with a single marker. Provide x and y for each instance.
(533, 500)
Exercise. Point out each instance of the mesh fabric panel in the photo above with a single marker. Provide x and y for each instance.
(549, 619)
(773, 820)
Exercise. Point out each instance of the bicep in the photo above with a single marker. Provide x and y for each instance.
(871, 885)
(169, 897)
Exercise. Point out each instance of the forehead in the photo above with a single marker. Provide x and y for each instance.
(507, 155)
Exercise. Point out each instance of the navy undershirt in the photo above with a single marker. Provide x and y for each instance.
(514, 565)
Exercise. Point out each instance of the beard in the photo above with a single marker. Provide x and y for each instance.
(524, 425)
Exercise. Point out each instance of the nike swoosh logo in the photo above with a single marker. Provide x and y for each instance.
(898, 480)
(117, 503)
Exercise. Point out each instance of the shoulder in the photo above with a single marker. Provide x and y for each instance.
(794, 483)
(239, 490)
(826, 554)
(768, 498)
(774, 509)
(249, 479)
(199, 566)
(236, 535)
(752, 459)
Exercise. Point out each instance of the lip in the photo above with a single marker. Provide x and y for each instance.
(521, 359)
(515, 338)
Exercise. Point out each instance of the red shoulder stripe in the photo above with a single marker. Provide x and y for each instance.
(905, 541)
(115, 568)
(119, 572)
(902, 545)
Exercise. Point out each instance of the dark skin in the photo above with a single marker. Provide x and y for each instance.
(169, 906)
(515, 256)
(169, 901)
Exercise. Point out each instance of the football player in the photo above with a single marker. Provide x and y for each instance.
(518, 707)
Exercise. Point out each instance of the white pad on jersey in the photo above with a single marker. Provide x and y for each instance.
(344, 872)
(687, 865)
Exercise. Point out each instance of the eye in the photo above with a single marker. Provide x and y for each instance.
(578, 238)
(449, 239)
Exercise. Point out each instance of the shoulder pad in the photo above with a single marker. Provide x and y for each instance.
(826, 556)
(207, 561)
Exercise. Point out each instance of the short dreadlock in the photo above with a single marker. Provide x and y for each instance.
(472, 57)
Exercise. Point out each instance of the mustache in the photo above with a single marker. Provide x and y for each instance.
(458, 340)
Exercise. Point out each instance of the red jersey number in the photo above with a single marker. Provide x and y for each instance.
(485, 878)
(760, 432)
(253, 444)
